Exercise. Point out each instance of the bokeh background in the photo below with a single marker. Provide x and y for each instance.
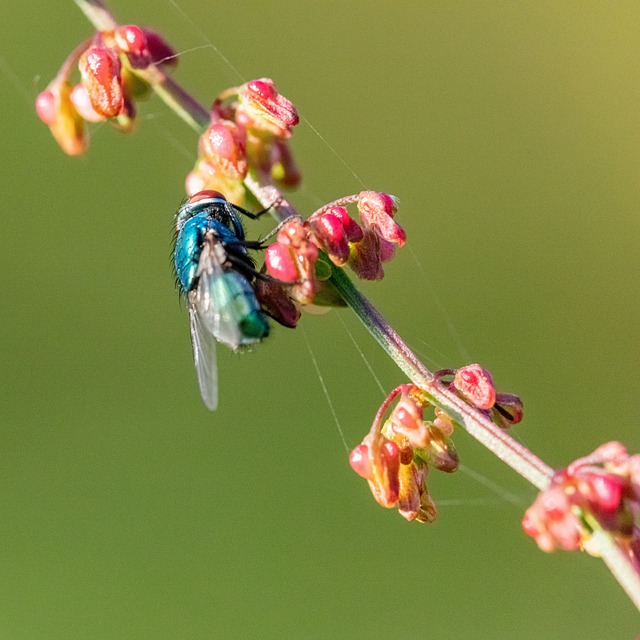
(511, 133)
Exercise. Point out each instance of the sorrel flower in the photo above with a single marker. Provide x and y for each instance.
(333, 231)
(265, 119)
(475, 386)
(109, 64)
(605, 486)
(56, 109)
(396, 454)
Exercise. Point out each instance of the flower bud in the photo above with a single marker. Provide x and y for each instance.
(54, 107)
(411, 477)
(377, 211)
(82, 103)
(328, 232)
(263, 108)
(100, 70)
(359, 461)
(476, 385)
(507, 410)
(280, 262)
(385, 465)
(131, 40)
(224, 145)
(352, 229)
(293, 259)
(406, 420)
(365, 259)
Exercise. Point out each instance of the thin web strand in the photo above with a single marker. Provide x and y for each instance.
(16, 81)
(444, 314)
(204, 36)
(325, 390)
(501, 492)
(364, 358)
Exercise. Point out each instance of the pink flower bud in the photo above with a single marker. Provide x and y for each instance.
(100, 70)
(82, 103)
(262, 107)
(46, 107)
(359, 461)
(352, 229)
(377, 211)
(329, 234)
(132, 41)
(54, 107)
(224, 145)
(406, 420)
(280, 263)
(476, 385)
(604, 491)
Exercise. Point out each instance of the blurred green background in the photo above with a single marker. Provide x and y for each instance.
(511, 133)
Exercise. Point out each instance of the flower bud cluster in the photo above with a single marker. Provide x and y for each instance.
(475, 386)
(396, 454)
(297, 255)
(604, 485)
(250, 127)
(108, 84)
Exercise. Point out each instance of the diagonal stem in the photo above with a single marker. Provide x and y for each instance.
(478, 425)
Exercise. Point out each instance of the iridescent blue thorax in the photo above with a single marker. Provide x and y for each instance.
(193, 223)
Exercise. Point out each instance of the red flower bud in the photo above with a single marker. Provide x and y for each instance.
(359, 461)
(131, 40)
(100, 70)
(329, 233)
(262, 107)
(352, 229)
(476, 385)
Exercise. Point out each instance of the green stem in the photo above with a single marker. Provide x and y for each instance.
(477, 424)
(474, 422)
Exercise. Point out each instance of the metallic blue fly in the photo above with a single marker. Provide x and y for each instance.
(215, 273)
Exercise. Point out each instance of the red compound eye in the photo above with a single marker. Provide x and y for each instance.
(205, 195)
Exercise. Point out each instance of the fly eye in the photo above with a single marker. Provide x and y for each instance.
(207, 194)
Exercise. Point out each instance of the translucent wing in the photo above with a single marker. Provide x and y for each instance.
(220, 298)
(204, 356)
(218, 309)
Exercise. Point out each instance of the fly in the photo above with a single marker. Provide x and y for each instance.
(215, 273)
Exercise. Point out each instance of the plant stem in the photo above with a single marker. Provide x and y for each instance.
(474, 422)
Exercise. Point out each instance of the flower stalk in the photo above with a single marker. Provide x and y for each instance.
(476, 422)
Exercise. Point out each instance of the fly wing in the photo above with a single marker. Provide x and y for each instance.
(204, 356)
(215, 299)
